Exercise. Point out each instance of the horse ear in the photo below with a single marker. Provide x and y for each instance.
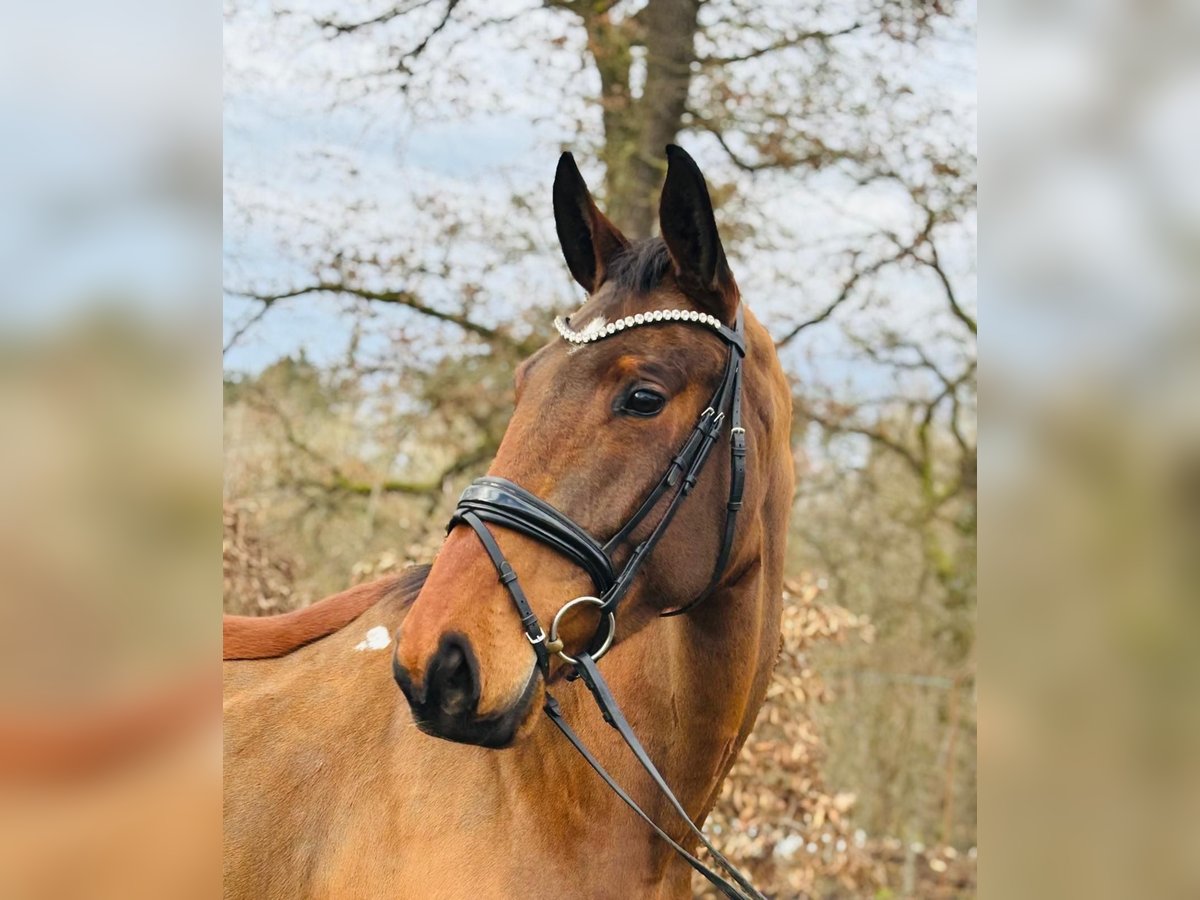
(589, 240)
(685, 215)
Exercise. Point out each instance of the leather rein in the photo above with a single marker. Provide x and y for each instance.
(497, 501)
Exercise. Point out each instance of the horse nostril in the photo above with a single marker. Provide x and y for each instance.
(457, 680)
(453, 687)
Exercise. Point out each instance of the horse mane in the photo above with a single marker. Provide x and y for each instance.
(267, 637)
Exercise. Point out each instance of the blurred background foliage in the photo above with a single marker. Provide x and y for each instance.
(378, 299)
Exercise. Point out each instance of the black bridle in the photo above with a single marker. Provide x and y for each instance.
(497, 501)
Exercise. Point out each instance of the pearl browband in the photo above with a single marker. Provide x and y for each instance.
(597, 329)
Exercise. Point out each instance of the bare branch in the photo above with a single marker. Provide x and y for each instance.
(933, 261)
(955, 428)
(737, 159)
(923, 362)
(340, 482)
(245, 326)
(399, 298)
(793, 40)
(434, 485)
(935, 264)
(420, 48)
(844, 293)
(344, 27)
(262, 401)
(838, 424)
(842, 296)
(341, 28)
(816, 152)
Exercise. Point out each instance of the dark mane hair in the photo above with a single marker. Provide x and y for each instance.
(641, 267)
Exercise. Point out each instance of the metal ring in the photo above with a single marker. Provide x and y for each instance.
(612, 627)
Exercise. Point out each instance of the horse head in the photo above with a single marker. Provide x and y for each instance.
(602, 412)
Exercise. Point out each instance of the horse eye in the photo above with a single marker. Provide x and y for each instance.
(644, 402)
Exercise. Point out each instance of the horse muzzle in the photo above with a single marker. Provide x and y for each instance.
(445, 704)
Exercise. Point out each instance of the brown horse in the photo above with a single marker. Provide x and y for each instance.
(335, 789)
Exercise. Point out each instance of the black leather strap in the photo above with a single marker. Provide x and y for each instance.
(554, 713)
(590, 676)
(707, 429)
(501, 502)
(508, 578)
(737, 487)
(679, 465)
(690, 461)
(735, 337)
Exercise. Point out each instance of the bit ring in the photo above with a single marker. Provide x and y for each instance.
(608, 640)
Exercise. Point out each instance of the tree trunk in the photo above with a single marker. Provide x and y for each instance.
(611, 46)
(637, 129)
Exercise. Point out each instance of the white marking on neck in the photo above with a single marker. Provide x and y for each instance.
(377, 639)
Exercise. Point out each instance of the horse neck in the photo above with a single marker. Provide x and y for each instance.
(690, 688)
